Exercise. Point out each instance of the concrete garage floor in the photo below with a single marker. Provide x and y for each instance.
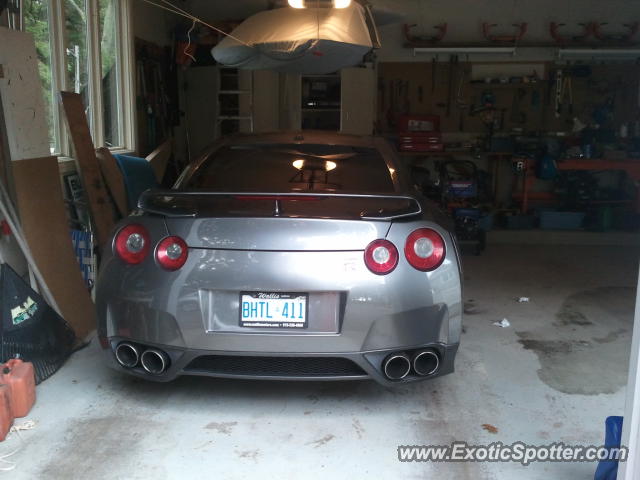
(554, 375)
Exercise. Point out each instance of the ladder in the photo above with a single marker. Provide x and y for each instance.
(234, 101)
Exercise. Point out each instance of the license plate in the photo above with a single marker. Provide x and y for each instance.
(273, 310)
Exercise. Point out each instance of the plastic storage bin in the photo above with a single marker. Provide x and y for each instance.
(486, 222)
(561, 220)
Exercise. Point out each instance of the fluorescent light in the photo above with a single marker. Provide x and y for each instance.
(296, 3)
(467, 50)
(598, 52)
(341, 3)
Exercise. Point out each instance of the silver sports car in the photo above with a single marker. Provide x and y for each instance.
(297, 256)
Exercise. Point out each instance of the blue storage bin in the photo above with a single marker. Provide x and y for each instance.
(486, 222)
(561, 220)
(467, 212)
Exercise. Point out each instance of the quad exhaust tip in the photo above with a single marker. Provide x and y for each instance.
(127, 355)
(425, 362)
(397, 366)
(154, 361)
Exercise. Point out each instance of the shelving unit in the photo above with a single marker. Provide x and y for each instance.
(234, 102)
(320, 102)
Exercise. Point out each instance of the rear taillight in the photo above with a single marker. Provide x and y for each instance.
(424, 249)
(172, 253)
(381, 256)
(132, 244)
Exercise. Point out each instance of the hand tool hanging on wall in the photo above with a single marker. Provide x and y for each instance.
(558, 102)
(567, 91)
(434, 70)
(543, 107)
(517, 116)
(460, 103)
(453, 63)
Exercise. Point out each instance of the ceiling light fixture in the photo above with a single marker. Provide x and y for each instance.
(341, 3)
(298, 164)
(329, 165)
(296, 3)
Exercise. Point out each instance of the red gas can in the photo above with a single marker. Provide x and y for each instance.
(20, 377)
(6, 413)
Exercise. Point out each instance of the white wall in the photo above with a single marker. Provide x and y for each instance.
(152, 23)
(465, 18)
(219, 10)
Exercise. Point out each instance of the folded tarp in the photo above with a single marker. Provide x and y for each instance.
(138, 176)
(306, 40)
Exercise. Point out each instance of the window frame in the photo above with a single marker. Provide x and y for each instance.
(125, 79)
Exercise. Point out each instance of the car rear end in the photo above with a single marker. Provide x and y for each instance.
(282, 261)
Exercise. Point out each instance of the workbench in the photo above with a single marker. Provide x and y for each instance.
(630, 166)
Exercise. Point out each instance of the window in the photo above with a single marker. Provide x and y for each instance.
(83, 46)
(110, 73)
(36, 18)
(293, 168)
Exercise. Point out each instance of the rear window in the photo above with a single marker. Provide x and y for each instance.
(293, 168)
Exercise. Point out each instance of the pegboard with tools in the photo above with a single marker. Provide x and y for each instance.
(548, 99)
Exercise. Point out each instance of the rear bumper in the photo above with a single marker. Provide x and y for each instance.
(321, 366)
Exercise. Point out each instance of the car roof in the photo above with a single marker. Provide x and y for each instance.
(306, 136)
(316, 137)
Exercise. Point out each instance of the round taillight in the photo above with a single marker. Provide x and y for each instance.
(172, 253)
(381, 256)
(132, 243)
(424, 249)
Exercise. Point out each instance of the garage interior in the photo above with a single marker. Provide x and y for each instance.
(520, 119)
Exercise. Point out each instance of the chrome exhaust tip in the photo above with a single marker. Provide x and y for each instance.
(127, 355)
(154, 361)
(425, 362)
(396, 366)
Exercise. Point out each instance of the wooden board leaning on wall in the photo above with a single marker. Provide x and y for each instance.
(44, 222)
(618, 82)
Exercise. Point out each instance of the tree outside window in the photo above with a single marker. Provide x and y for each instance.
(81, 21)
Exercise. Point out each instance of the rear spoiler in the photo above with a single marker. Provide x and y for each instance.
(176, 203)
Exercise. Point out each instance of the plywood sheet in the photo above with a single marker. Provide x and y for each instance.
(21, 90)
(45, 226)
(88, 167)
(159, 159)
(113, 178)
